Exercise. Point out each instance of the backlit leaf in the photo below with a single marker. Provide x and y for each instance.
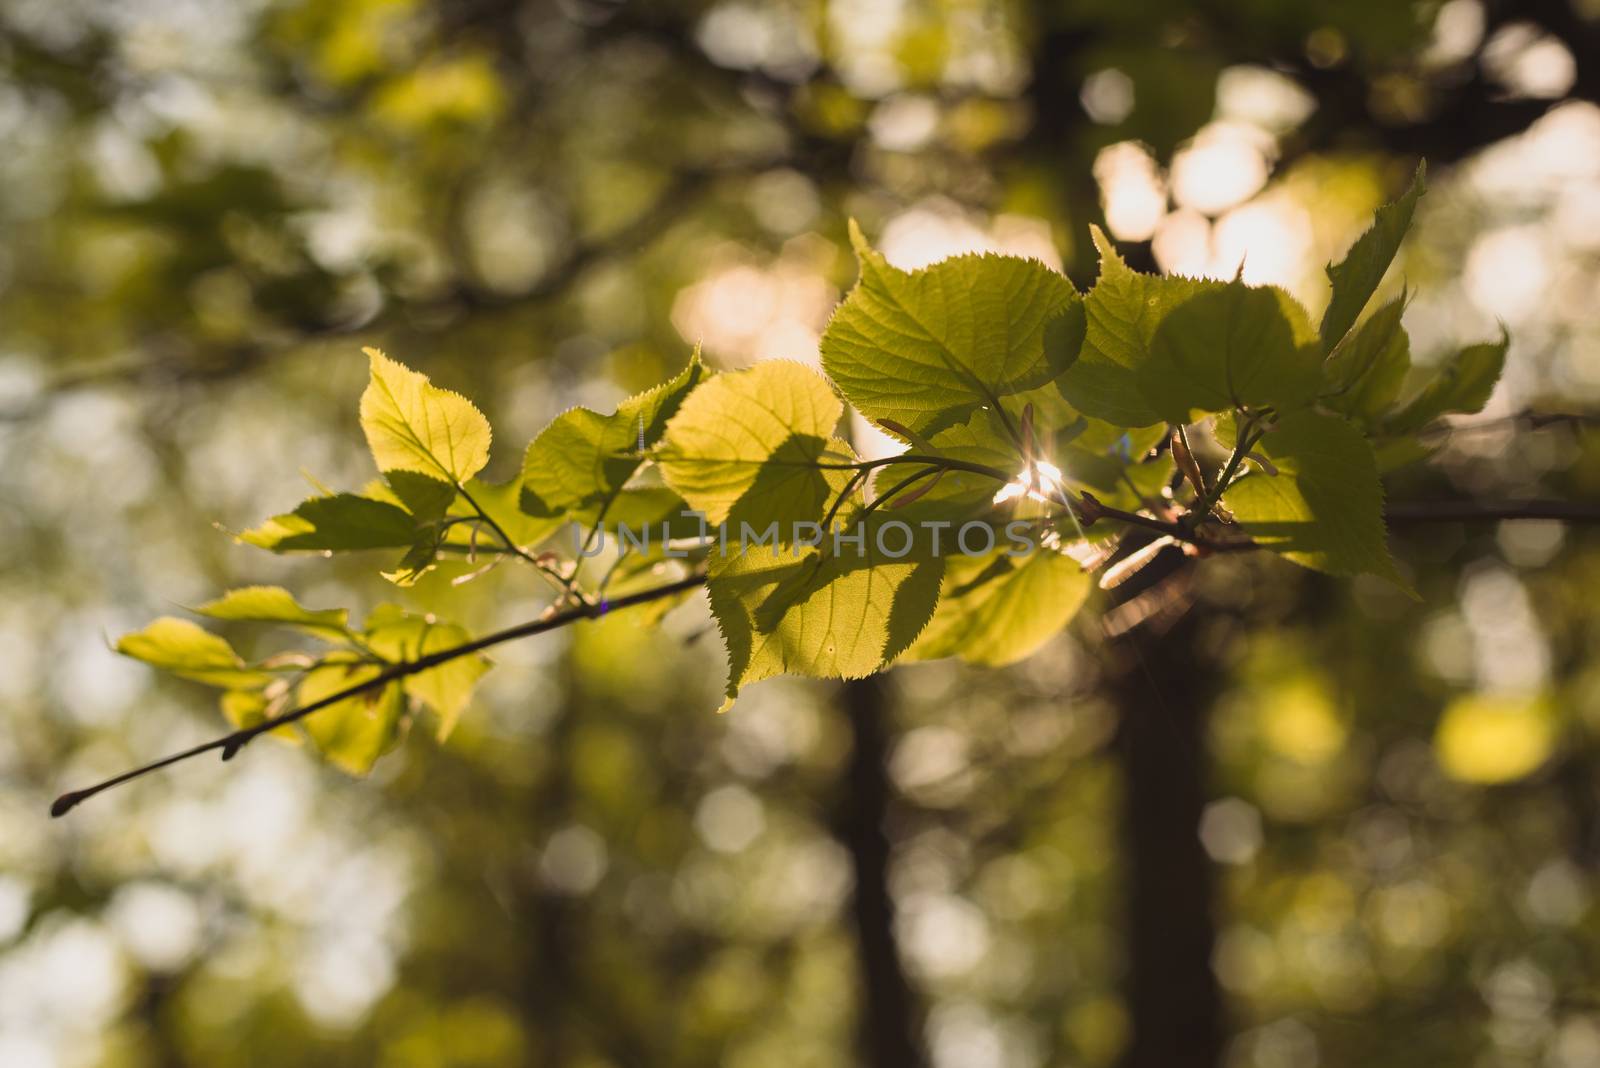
(447, 689)
(413, 425)
(579, 463)
(354, 732)
(1122, 310)
(274, 604)
(1231, 346)
(996, 610)
(337, 523)
(923, 348)
(1461, 386)
(1365, 373)
(1355, 278)
(835, 616)
(1324, 507)
(191, 652)
(756, 446)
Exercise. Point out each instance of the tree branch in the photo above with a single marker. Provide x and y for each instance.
(230, 744)
(1086, 507)
(1409, 512)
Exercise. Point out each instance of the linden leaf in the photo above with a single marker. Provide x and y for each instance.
(1462, 385)
(1229, 346)
(354, 732)
(837, 616)
(1324, 507)
(756, 446)
(579, 463)
(1365, 373)
(1163, 349)
(274, 604)
(336, 523)
(413, 425)
(924, 348)
(996, 610)
(1123, 310)
(1355, 278)
(447, 689)
(191, 652)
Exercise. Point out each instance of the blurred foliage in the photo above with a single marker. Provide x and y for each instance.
(209, 208)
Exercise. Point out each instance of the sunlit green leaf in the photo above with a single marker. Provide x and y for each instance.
(579, 464)
(1356, 277)
(756, 446)
(1231, 346)
(1364, 375)
(926, 347)
(1461, 386)
(413, 425)
(400, 636)
(354, 732)
(996, 610)
(1324, 507)
(502, 502)
(246, 708)
(1123, 310)
(1165, 349)
(274, 604)
(191, 652)
(341, 522)
(834, 616)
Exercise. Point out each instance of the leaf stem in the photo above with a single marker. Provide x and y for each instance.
(500, 532)
(1241, 448)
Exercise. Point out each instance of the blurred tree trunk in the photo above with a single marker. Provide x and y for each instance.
(890, 1019)
(1163, 687)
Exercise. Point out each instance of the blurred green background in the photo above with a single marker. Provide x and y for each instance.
(1313, 823)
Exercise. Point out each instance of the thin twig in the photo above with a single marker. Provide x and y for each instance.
(511, 546)
(230, 744)
(1467, 511)
(1527, 420)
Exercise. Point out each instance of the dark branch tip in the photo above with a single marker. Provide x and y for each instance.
(65, 803)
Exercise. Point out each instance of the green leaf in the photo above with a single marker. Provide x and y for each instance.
(1163, 349)
(355, 732)
(1365, 373)
(1356, 277)
(748, 447)
(927, 347)
(413, 425)
(996, 610)
(274, 604)
(1462, 385)
(1123, 310)
(338, 523)
(1228, 346)
(191, 652)
(418, 560)
(1324, 507)
(837, 616)
(423, 496)
(579, 463)
(399, 636)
